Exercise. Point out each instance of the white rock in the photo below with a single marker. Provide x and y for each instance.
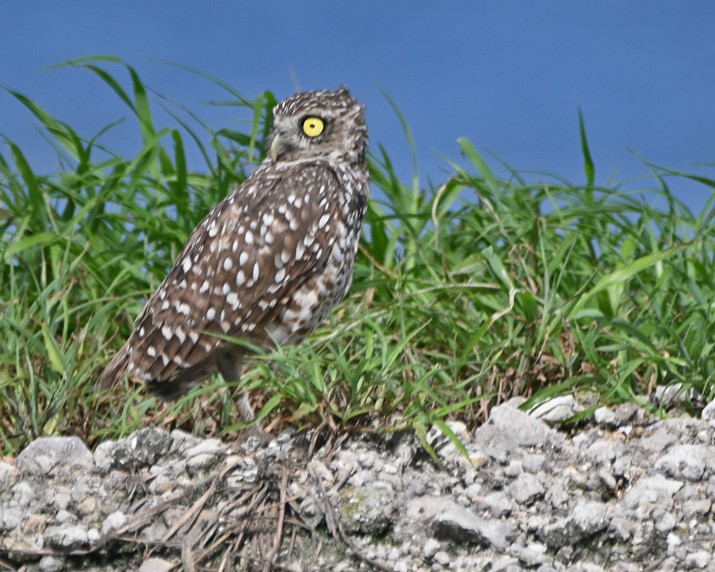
(51, 564)
(708, 413)
(509, 429)
(155, 565)
(115, 520)
(442, 558)
(652, 490)
(50, 454)
(430, 547)
(526, 489)
(691, 462)
(699, 559)
(556, 409)
(67, 537)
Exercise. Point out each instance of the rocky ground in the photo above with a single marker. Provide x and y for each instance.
(626, 492)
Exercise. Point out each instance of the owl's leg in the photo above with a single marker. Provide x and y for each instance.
(230, 364)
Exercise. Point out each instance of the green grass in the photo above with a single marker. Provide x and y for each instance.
(465, 294)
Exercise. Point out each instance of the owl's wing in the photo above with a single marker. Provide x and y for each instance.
(240, 264)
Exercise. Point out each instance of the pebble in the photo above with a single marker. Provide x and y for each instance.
(699, 559)
(93, 536)
(533, 462)
(687, 461)
(87, 506)
(526, 489)
(514, 468)
(51, 564)
(62, 498)
(63, 516)
(154, 532)
(457, 524)
(557, 409)
(510, 429)
(532, 556)
(66, 537)
(204, 455)
(155, 565)
(104, 456)
(442, 558)
(473, 491)
(708, 412)
(652, 490)
(666, 522)
(498, 504)
(431, 547)
(675, 394)
(366, 510)
(52, 454)
(115, 520)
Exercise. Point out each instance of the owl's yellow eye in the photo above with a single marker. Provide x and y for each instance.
(313, 126)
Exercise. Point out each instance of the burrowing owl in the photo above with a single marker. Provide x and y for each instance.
(268, 263)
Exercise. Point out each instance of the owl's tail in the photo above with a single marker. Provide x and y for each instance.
(115, 370)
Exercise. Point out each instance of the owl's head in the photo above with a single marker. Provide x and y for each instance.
(316, 124)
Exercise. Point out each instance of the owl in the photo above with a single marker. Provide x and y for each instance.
(268, 263)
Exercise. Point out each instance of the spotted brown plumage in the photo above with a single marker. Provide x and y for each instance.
(268, 263)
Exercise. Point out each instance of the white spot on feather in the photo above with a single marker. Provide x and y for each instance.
(232, 299)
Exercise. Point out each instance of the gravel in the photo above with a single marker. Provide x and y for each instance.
(626, 492)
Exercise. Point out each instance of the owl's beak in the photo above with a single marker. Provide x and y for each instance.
(278, 146)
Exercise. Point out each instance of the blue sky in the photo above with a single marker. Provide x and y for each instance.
(509, 75)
